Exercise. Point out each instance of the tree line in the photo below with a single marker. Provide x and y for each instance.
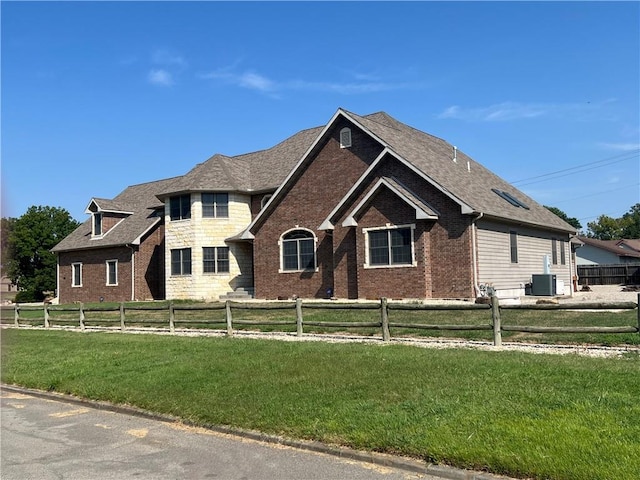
(29, 264)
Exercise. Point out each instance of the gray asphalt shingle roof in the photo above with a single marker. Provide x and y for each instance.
(265, 170)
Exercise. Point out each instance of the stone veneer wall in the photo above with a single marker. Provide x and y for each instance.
(198, 232)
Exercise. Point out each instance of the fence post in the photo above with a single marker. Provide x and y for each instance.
(81, 317)
(122, 316)
(384, 314)
(638, 311)
(495, 317)
(299, 317)
(16, 316)
(46, 315)
(172, 318)
(227, 305)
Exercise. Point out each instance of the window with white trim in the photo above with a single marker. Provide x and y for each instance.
(180, 207)
(345, 137)
(112, 272)
(76, 274)
(215, 259)
(215, 205)
(97, 224)
(298, 251)
(181, 261)
(390, 246)
(513, 246)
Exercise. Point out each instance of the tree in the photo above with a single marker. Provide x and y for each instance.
(608, 228)
(631, 223)
(32, 266)
(574, 222)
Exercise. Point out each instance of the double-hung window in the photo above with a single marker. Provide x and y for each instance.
(215, 205)
(112, 272)
(215, 259)
(180, 207)
(390, 246)
(298, 251)
(181, 261)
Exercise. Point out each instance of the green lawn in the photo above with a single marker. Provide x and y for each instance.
(530, 416)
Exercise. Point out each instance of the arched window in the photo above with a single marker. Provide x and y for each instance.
(298, 248)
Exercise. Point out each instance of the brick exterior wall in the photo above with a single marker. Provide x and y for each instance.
(94, 276)
(443, 250)
(330, 174)
(149, 272)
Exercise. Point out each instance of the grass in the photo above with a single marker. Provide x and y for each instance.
(533, 416)
(107, 314)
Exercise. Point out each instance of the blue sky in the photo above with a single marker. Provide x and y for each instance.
(97, 96)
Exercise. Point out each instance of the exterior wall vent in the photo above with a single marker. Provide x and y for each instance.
(345, 137)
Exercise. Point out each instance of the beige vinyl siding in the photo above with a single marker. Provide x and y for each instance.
(494, 257)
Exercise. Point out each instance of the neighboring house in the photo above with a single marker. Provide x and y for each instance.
(607, 252)
(362, 207)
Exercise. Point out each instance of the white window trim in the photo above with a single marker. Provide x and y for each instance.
(107, 265)
(264, 200)
(344, 132)
(315, 251)
(73, 274)
(388, 226)
(215, 261)
(95, 215)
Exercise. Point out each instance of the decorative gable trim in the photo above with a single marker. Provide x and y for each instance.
(423, 210)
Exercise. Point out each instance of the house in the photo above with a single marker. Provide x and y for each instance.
(607, 252)
(362, 207)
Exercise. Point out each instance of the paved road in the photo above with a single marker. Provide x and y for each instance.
(49, 439)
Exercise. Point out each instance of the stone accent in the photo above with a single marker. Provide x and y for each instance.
(198, 232)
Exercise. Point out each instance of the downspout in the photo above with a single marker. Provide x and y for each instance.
(475, 253)
(133, 273)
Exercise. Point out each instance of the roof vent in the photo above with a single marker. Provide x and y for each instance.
(455, 154)
(345, 137)
(510, 198)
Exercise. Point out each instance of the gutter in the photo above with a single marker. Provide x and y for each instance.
(474, 248)
(133, 272)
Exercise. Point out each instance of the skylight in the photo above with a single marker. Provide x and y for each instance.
(510, 198)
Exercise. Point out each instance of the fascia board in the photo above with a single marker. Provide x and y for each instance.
(350, 221)
(327, 224)
(138, 239)
(293, 171)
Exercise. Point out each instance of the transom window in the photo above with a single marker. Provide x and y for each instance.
(181, 261)
(215, 205)
(298, 251)
(215, 259)
(112, 272)
(180, 207)
(392, 246)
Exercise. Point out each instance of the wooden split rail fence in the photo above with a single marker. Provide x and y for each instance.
(385, 310)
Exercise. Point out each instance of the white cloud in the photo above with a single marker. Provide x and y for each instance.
(160, 77)
(506, 111)
(167, 57)
(623, 147)
(255, 81)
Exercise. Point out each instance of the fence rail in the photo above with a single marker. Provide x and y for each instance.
(383, 308)
(614, 274)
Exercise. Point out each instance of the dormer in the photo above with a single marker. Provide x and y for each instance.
(105, 215)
